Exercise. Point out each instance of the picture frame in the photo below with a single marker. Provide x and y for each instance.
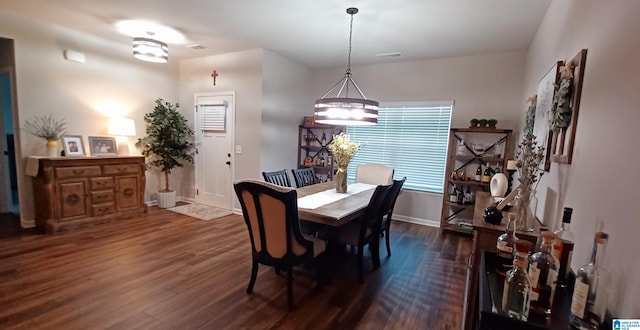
(73, 145)
(546, 90)
(562, 141)
(102, 146)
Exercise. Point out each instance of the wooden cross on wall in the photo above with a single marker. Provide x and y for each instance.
(214, 75)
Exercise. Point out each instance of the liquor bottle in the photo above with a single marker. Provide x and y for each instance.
(486, 176)
(497, 169)
(563, 248)
(589, 301)
(539, 241)
(467, 195)
(517, 285)
(478, 176)
(324, 139)
(508, 239)
(462, 149)
(543, 273)
(453, 196)
(460, 195)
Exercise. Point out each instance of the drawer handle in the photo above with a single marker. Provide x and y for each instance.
(72, 199)
(78, 172)
(128, 192)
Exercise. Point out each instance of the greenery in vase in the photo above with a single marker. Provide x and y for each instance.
(46, 127)
(168, 140)
(343, 149)
(529, 155)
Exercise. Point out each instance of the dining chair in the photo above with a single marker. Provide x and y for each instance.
(271, 215)
(390, 203)
(304, 176)
(280, 178)
(367, 231)
(372, 173)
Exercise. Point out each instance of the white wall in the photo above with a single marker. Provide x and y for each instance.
(111, 80)
(601, 183)
(285, 101)
(484, 86)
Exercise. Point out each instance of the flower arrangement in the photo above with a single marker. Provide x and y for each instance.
(343, 149)
(46, 127)
(561, 109)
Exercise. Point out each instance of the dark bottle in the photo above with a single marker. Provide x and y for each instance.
(543, 273)
(507, 241)
(478, 176)
(486, 176)
(563, 248)
(453, 196)
(324, 139)
(460, 195)
(467, 195)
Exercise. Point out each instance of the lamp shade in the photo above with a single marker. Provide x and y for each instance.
(122, 127)
(150, 50)
(512, 165)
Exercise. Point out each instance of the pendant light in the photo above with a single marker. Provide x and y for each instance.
(345, 110)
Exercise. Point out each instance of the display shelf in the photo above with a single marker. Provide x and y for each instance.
(311, 144)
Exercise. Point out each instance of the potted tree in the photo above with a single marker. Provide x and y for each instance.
(167, 144)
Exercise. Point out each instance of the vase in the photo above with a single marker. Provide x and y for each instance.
(52, 148)
(522, 208)
(341, 179)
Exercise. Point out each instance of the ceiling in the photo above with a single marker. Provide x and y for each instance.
(314, 33)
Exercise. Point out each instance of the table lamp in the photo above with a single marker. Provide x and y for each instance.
(121, 128)
(512, 166)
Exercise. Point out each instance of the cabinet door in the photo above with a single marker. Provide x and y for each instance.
(74, 202)
(127, 193)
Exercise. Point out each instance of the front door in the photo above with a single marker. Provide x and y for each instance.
(214, 140)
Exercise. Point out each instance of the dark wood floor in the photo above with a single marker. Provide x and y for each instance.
(169, 271)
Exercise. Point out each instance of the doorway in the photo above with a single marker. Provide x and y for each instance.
(214, 118)
(9, 202)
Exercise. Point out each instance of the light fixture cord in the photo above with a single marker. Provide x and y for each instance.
(350, 36)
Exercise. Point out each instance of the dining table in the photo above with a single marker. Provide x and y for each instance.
(320, 203)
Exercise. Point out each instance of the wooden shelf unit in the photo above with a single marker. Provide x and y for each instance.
(498, 150)
(310, 145)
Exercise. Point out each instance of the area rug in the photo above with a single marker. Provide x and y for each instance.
(200, 211)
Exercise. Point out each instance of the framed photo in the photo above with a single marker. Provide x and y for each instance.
(546, 88)
(102, 146)
(73, 145)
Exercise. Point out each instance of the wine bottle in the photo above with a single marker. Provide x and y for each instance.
(467, 195)
(507, 241)
(324, 139)
(460, 195)
(589, 300)
(563, 248)
(453, 196)
(478, 176)
(486, 176)
(517, 285)
(462, 149)
(543, 273)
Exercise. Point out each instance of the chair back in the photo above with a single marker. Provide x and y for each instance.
(280, 178)
(271, 215)
(374, 213)
(392, 197)
(378, 174)
(304, 176)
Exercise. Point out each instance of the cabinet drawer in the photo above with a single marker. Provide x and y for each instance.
(102, 209)
(102, 183)
(98, 197)
(77, 171)
(122, 169)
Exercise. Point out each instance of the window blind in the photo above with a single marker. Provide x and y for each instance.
(413, 139)
(213, 117)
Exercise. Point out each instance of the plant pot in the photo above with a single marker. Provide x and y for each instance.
(166, 199)
(52, 148)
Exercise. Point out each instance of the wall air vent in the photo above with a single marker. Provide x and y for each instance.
(395, 54)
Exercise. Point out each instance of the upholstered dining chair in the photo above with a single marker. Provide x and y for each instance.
(372, 173)
(280, 178)
(271, 215)
(389, 205)
(366, 231)
(304, 176)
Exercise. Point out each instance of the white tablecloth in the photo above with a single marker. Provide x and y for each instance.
(329, 196)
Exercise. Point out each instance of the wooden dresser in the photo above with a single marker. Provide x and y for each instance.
(71, 191)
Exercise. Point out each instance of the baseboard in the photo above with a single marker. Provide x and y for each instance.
(417, 221)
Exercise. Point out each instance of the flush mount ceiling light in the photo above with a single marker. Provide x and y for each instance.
(150, 50)
(345, 110)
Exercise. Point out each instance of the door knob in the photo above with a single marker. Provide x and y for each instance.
(228, 163)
